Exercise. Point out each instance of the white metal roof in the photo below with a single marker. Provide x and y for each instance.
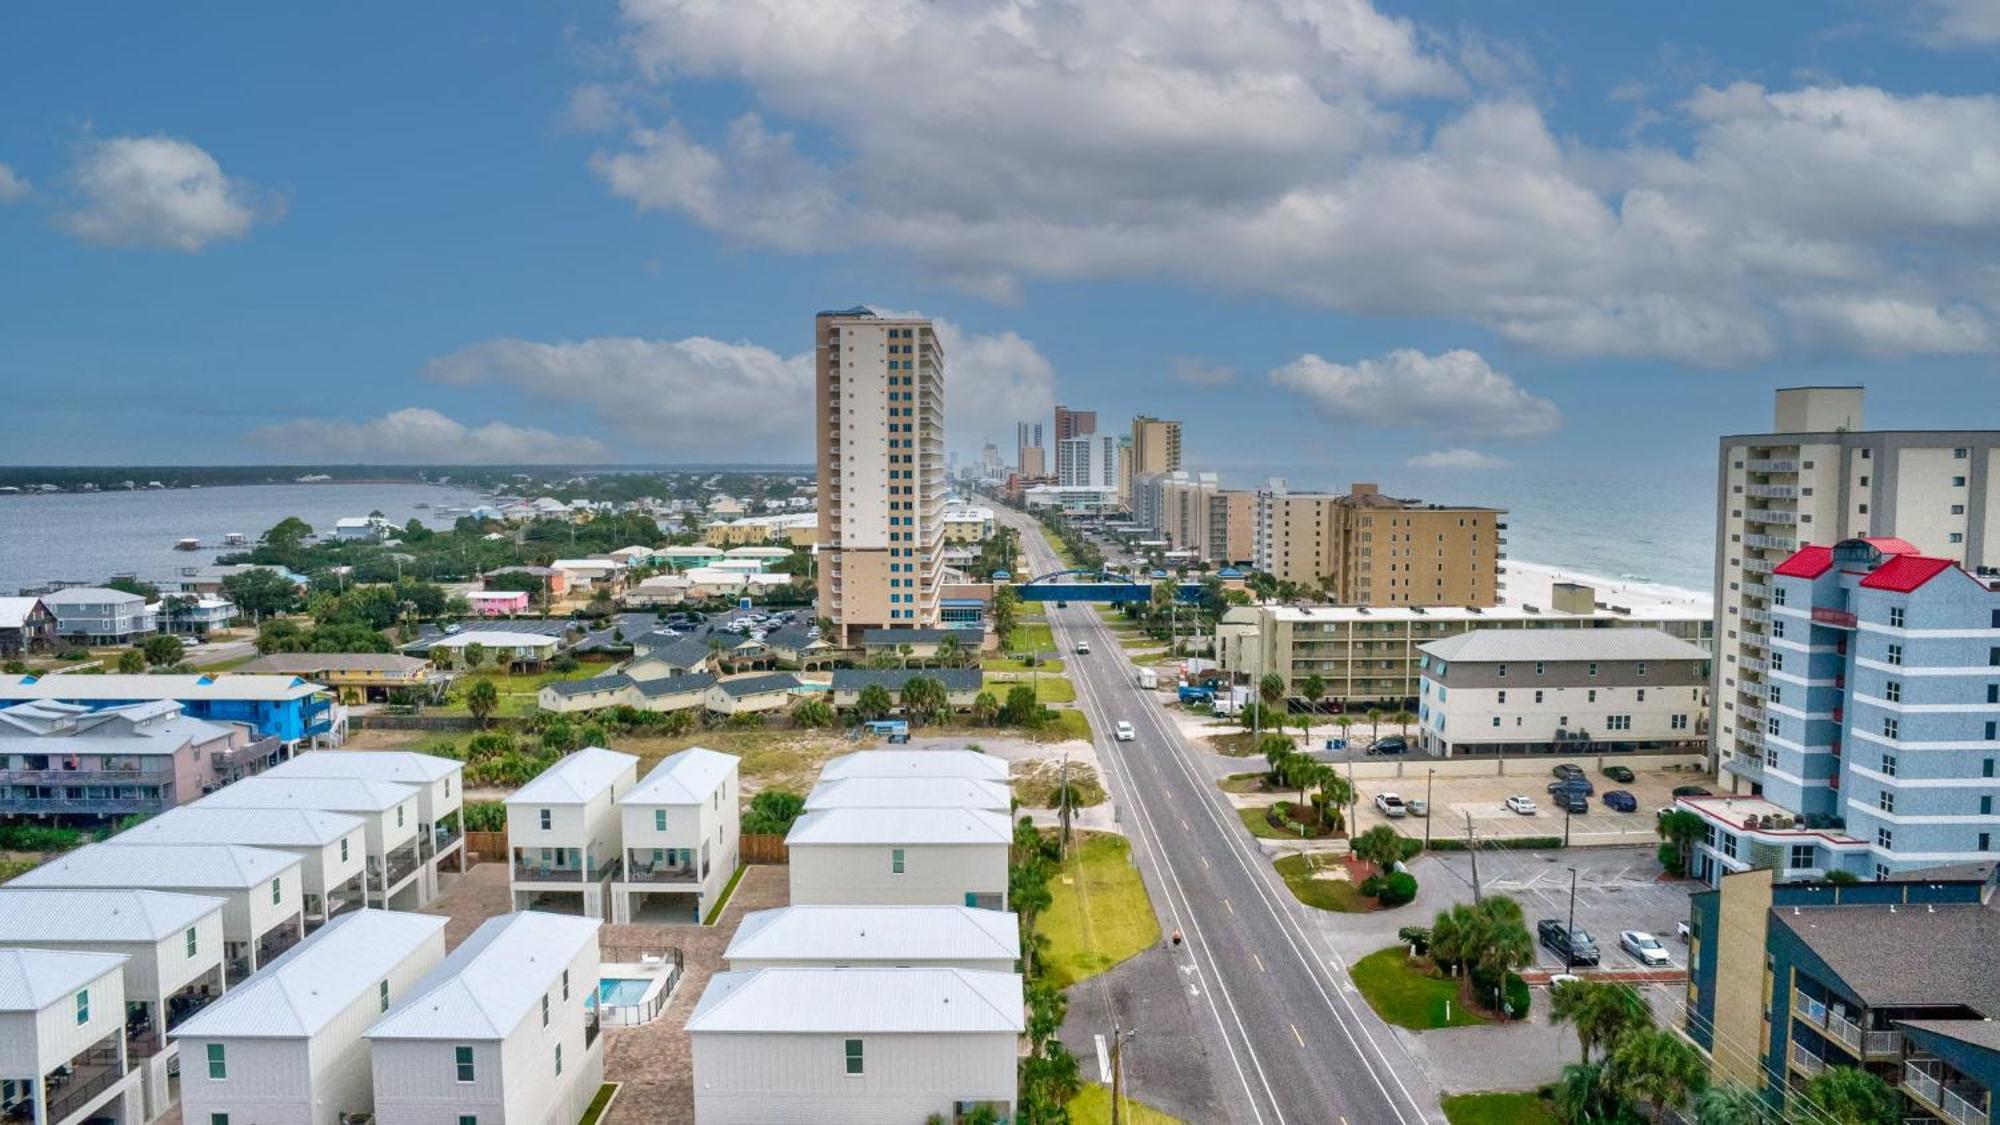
(219, 824)
(831, 1001)
(495, 638)
(900, 826)
(575, 779)
(229, 685)
(33, 979)
(876, 933)
(1487, 645)
(315, 980)
(154, 727)
(89, 595)
(687, 777)
(492, 981)
(227, 867)
(916, 763)
(59, 914)
(14, 611)
(909, 793)
(336, 794)
(405, 766)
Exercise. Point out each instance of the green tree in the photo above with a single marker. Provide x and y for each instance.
(1583, 1096)
(873, 703)
(814, 713)
(261, 592)
(950, 653)
(1271, 689)
(1655, 1065)
(1679, 828)
(1006, 614)
(1846, 1095)
(130, 585)
(164, 649)
(1601, 1011)
(1374, 717)
(131, 662)
(985, 708)
(1313, 687)
(1730, 1104)
(482, 699)
(925, 700)
(474, 655)
(772, 812)
(1381, 846)
(1022, 709)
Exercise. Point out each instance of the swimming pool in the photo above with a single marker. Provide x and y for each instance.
(621, 991)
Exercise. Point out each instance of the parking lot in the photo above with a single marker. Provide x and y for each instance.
(1616, 889)
(1451, 798)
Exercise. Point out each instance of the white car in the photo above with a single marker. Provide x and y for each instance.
(1123, 732)
(1391, 805)
(1644, 947)
(1557, 980)
(1521, 803)
(1083, 648)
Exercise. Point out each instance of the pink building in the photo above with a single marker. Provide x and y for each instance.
(498, 603)
(60, 759)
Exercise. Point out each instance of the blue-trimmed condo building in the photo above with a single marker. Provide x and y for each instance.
(1893, 976)
(291, 709)
(1877, 739)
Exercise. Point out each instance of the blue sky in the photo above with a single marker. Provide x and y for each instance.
(1481, 236)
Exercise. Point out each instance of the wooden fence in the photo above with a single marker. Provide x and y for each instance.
(487, 847)
(763, 848)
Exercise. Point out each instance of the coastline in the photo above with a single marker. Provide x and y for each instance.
(1529, 583)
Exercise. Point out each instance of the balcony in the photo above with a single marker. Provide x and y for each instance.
(647, 871)
(1805, 1061)
(1772, 465)
(1757, 566)
(1753, 663)
(566, 868)
(1771, 542)
(87, 777)
(1932, 1085)
(402, 862)
(1751, 613)
(1769, 515)
(70, 1087)
(1746, 766)
(1771, 491)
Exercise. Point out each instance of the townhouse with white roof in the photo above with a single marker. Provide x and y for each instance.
(62, 1038)
(388, 812)
(860, 1046)
(263, 911)
(172, 945)
(881, 937)
(969, 764)
(440, 786)
(333, 847)
(911, 857)
(504, 1031)
(287, 1046)
(910, 793)
(566, 834)
(680, 827)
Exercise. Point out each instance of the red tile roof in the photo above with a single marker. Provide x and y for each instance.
(1890, 545)
(1808, 562)
(1904, 573)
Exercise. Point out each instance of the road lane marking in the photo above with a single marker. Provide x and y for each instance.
(1204, 861)
(1103, 1059)
(1297, 1036)
(1185, 826)
(1260, 963)
(1226, 902)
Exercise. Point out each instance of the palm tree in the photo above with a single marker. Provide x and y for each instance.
(1334, 794)
(985, 708)
(1679, 828)
(1271, 689)
(1403, 719)
(1732, 1105)
(950, 653)
(1374, 724)
(481, 698)
(1581, 1095)
(1851, 1096)
(1504, 942)
(1276, 749)
(1313, 687)
(1602, 1013)
(1454, 934)
(1659, 1067)
(1343, 722)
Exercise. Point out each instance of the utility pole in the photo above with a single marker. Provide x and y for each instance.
(1472, 849)
(1118, 1038)
(1429, 776)
(1063, 804)
(1569, 936)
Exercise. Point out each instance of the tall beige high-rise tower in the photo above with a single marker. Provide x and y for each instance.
(1155, 448)
(880, 418)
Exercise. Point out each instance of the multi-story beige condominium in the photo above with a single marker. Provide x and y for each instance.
(1818, 479)
(1364, 548)
(1074, 423)
(880, 408)
(1369, 657)
(1028, 448)
(1193, 512)
(1156, 448)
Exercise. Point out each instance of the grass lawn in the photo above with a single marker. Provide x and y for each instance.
(1093, 1107)
(1031, 636)
(1009, 664)
(1406, 996)
(722, 902)
(1261, 827)
(1496, 1109)
(1067, 723)
(1241, 744)
(518, 693)
(594, 1112)
(1243, 783)
(1054, 689)
(1099, 913)
(1322, 894)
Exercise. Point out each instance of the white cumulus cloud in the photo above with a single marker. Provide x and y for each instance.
(1280, 147)
(1957, 23)
(162, 193)
(1456, 392)
(416, 435)
(13, 186)
(1456, 459)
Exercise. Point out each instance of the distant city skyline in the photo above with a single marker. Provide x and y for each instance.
(1432, 241)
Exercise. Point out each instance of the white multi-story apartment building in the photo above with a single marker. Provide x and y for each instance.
(681, 823)
(1820, 478)
(172, 945)
(1090, 461)
(286, 1047)
(440, 784)
(333, 846)
(565, 831)
(263, 911)
(1505, 692)
(880, 433)
(855, 1046)
(62, 1038)
(881, 937)
(908, 857)
(502, 1032)
(388, 812)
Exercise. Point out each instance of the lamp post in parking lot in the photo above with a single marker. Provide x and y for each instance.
(1430, 775)
(1569, 935)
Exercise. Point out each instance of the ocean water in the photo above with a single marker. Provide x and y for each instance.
(1651, 525)
(89, 536)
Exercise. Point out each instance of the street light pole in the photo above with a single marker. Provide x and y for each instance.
(1429, 812)
(1569, 935)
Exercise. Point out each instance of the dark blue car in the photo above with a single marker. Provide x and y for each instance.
(1620, 801)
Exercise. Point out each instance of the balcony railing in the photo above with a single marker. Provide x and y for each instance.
(1772, 465)
(86, 776)
(637, 872)
(89, 1079)
(1807, 1061)
(537, 873)
(1935, 1092)
(403, 861)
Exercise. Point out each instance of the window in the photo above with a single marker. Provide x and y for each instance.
(1888, 765)
(343, 850)
(1985, 841)
(1593, 669)
(1618, 722)
(559, 1060)
(565, 984)
(1894, 656)
(1777, 662)
(1538, 667)
(1893, 691)
(1778, 596)
(659, 820)
(1896, 614)
(545, 1012)
(1502, 697)
(1886, 801)
(1496, 720)
(1777, 693)
(854, 1056)
(1889, 728)
(218, 1063)
(1678, 722)
(1885, 838)
(1958, 482)
(1771, 725)
(277, 891)
(547, 820)
(399, 816)
(467, 1119)
(1992, 731)
(1778, 630)
(1538, 696)
(895, 861)
(193, 941)
(1986, 768)
(382, 996)
(1729, 845)
(462, 1057)
(83, 1007)
(1986, 806)
(1641, 669)
(1959, 454)
(218, 1119)
(1802, 856)
(1590, 696)
(1642, 695)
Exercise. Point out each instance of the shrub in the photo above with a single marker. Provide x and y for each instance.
(1416, 937)
(38, 838)
(1398, 887)
(772, 812)
(1373, 886)
(564, 664)
(1493, 843)
(1670, 858)
(484, 816)
(491, 744)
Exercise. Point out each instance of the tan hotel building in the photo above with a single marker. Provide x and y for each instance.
(1365, 548)
(880, 431)
(1155, 448)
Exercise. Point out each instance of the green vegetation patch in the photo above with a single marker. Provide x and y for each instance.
(1099, 913)
(595, 1110)
(722, 903)
(1406, 994)
(1093, 1107)
(1498, 1109)
(1322, 894)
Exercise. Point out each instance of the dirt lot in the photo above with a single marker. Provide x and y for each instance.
(1483, 797)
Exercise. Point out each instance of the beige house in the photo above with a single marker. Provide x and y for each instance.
(742, 695)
